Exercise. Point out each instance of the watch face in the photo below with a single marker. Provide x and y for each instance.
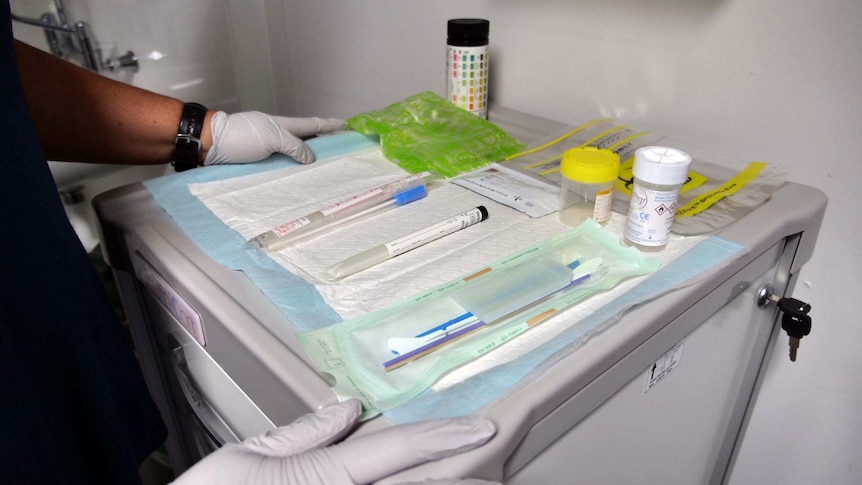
(192, 120)
(188, 143)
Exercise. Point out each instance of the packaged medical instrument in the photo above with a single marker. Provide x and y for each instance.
(588, 185)
(659, 173)
(512, 188)
(467, 65)
(427, 132)
(366, 203)
(388, 356)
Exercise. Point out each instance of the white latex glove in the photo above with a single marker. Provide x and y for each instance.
(298, 454)
(252, 136)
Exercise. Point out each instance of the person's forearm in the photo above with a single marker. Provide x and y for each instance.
(82, 116)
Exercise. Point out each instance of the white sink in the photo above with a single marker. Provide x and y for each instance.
(70, 174)
(78, 183)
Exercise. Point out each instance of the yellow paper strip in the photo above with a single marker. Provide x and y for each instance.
(585, 144)
(705, 201)
(554, 142)
(628, 138)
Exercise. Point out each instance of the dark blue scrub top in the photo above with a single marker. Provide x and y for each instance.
(73, 404)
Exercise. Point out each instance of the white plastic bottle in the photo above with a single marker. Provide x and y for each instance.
(659, 173)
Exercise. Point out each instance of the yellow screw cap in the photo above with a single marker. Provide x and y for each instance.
(590, 165)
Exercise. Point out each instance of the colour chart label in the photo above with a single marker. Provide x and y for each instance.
(467, 75)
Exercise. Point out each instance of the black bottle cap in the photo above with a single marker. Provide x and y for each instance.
(483, 211)
(468, 32)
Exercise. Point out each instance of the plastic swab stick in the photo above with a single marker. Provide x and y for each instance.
(404, 345)
(412, 348)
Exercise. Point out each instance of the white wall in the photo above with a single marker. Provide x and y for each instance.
(768, 80)
(185, 49)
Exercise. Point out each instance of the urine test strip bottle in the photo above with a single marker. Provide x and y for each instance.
(467, 65)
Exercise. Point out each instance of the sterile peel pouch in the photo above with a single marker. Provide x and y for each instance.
(513, 188)
(357, 359)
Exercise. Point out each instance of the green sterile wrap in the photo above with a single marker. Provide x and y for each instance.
(350, 355)
(426, 132)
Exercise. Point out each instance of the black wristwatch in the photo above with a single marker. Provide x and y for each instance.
(188, 141)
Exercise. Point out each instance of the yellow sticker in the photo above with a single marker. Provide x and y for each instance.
(704, 201)
(555, 166)
(559, 139)
(623, 183)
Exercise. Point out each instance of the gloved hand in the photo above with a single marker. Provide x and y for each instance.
(299, 453)
(252, 136)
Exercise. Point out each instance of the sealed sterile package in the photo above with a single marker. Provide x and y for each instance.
(512, 188)
(388, 356)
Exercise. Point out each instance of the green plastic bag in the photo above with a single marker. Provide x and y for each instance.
(426, 132)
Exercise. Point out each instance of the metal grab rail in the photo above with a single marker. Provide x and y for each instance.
(64, 39)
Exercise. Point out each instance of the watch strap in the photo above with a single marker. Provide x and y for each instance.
(187, 144)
